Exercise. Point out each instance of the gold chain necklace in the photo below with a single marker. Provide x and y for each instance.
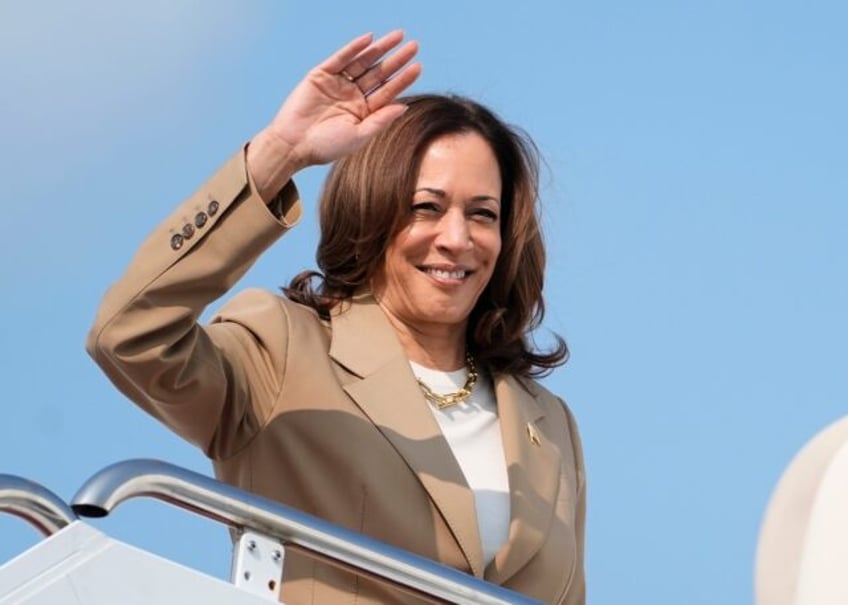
(449, 399)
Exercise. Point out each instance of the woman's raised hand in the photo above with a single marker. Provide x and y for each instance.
(334, 110)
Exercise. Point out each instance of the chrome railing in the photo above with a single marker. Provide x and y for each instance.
(35, 503)
(242, 510)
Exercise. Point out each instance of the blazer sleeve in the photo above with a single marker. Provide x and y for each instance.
(210, 385)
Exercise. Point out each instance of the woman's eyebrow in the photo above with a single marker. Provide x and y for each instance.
(441, 193)
(433, 190)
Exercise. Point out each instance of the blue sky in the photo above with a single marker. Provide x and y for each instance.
(694, 204)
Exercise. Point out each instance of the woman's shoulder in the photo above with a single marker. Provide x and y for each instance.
(549, 400)
(552, 405)
(260, 307)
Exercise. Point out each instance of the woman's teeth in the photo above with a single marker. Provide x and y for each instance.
(441, 273)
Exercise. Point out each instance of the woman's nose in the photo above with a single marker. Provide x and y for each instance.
(454, 233)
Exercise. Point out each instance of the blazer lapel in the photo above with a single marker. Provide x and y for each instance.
(364, 343)
(533, 468)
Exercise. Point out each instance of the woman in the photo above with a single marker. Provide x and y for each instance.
(395, 397)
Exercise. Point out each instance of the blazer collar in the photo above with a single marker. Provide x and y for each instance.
(364, 342)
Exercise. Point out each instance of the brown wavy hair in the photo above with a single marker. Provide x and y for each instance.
(366, 202)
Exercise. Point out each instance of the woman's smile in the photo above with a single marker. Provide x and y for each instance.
(446, 274)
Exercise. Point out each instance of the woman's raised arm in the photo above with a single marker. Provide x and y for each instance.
(215, 385)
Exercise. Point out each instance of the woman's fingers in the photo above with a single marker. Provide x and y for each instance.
(367, 64)
(372, 54)
(384, 70)
(359, 54)
(342, 57)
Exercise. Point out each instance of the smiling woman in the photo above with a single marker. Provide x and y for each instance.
(392, 391)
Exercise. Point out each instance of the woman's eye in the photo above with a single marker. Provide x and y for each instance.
(485, 214)
(425, 208)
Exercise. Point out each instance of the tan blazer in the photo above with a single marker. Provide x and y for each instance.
(326, 416)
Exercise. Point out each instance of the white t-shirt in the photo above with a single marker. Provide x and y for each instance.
(473, 432)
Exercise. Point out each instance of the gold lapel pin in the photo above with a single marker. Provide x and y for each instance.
(533, 435)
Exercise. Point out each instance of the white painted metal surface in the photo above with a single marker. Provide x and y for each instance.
(823, 577)
(258, 565)
(802, 555)
(80, 565)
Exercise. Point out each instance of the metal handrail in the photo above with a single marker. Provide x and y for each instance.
(239, 509)
(35, 503)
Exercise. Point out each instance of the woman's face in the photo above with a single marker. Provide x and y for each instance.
(440, 262)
